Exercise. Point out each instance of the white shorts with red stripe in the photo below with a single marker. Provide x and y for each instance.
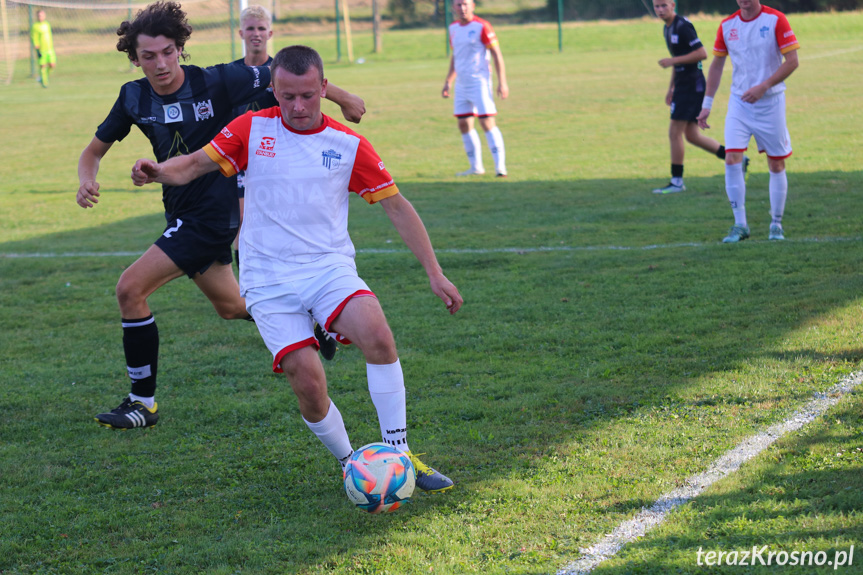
(286, 313)
(474, 99)
(765, 119)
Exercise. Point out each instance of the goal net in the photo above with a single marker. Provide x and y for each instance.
(90, 27)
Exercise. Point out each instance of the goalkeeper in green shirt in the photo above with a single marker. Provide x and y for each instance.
(43, 41)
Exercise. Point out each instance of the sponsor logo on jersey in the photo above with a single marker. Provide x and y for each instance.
(788, 34)
(764, 31)
(148, 120)
(674, 38)
(257, 82)
(227, 133)
(381, 166)
(173, 112)
(331, 159)
(203, 110)
(694, 42)
(732, 35)
(266, 147)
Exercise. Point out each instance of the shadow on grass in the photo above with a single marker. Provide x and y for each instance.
(803, 494)
(584, 380)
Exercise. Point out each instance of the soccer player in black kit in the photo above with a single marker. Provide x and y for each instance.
(179, 109)
(685, 92)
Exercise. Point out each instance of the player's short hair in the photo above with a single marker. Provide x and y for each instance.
(297, 60)
(258, 12)
(163, 18)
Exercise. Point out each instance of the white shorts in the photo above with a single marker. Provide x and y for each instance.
(475, 99)
(286, 313)
(765, 119)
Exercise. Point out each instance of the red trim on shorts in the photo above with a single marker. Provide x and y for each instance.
(735, 151)
(293, 347)
(338, 310)
(777, 157)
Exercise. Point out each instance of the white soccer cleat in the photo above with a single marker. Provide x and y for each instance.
(471, 172)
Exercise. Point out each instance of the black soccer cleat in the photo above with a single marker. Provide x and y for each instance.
(326, 342)
(128, 415)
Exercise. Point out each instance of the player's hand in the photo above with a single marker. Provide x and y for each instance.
(145, 172)
(503, 90)
(702, 119)
(354, 109)
(445, 92)
(669, 96)
(87, 194)
(754, 93)
(666, 63)
(38, 54)
(447, 292)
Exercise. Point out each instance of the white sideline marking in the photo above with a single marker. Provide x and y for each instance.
(727, 464)
(49, 255)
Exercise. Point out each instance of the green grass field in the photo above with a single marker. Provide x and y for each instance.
(609, 347)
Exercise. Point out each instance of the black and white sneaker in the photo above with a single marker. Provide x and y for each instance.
(128, 415)
(326, 341)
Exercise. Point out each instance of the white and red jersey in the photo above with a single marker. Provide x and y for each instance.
(295, 222)
(470, 43)
(756, 47)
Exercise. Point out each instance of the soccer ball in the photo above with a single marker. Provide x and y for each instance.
(379, 478)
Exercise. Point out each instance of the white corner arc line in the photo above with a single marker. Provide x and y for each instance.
(728, 463)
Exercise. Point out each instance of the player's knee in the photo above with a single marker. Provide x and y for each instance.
(378, 345)
(232, 310)
(129, 293)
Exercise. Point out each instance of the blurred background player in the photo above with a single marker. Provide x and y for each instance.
(256, 30)
(763, 51)
(473, 40)
(179, 108)
(317, 280)
(685, 92)
(43, 42)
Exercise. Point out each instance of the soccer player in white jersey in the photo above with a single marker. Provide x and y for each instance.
(298, 258)
(763, 51)
(473, 40)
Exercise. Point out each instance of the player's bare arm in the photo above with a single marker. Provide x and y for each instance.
(88, 170)
(497, 57)
(714, 78)
(412, 231)
(691, 58)
(790, 64)
(352, 105)
(450, 78)
(176, 171)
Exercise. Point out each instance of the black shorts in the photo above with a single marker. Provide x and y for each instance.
(194, 245)
(686, 104)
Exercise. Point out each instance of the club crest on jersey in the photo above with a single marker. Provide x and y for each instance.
(675, 38)
(331, 159)
(732, 34)
(203, 110)
(764, 31)
(266, 147)
(173, 112)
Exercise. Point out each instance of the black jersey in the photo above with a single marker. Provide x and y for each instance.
(681, 39)
(185, 121)
(267, 100)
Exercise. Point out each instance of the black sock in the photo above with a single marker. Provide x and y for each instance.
(141, 344)
(676, 170)
(720, 153)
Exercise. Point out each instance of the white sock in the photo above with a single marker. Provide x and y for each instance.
(332, 433)
(735, 188)
(387, 388)
(473, 150)
(148, 401)
(778, 193)
(498, 152)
